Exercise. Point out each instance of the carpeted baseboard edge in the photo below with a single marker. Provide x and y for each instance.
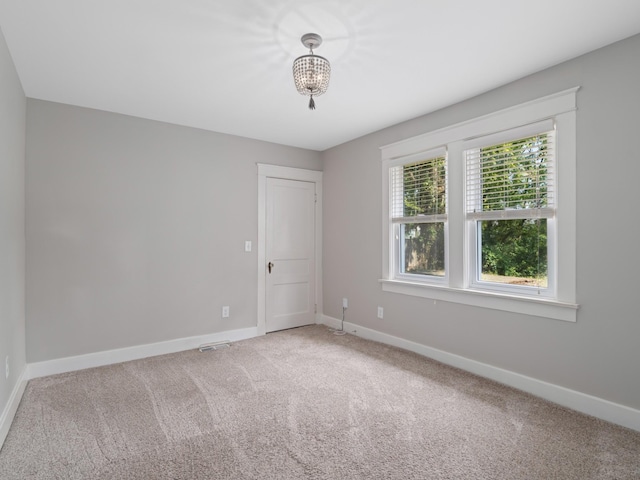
(581, 402)
(11, 407)
(108, 357)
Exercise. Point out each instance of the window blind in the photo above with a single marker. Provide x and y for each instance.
(513, 179)
(418, 191)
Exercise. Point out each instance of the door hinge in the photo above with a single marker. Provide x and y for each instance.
(315, 198)
(315, 308)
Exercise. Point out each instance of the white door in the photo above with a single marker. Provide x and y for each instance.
(290, 253)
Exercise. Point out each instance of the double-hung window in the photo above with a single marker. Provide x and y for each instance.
(419, 216)
(484, 212)
(510, 210)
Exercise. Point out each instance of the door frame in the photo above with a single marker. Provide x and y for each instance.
(288, 173)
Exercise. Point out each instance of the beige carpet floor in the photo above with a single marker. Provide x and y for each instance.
(302, 404)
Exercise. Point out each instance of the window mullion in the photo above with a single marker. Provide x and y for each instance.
(455, 258)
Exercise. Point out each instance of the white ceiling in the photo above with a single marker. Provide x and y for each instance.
(225, 65)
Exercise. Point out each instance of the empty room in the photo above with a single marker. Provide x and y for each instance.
(319, 239)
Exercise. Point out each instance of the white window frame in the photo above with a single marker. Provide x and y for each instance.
(473, 236)
(396, 241)
(561, 109)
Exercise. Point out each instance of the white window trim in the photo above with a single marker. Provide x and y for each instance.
(561, 107)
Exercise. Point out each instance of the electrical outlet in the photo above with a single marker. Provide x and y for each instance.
(225, 311)
(380, 312)
(345, 303)
(6, 367)
(247, 246)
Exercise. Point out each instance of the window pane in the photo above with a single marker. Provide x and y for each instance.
(511, 176)
(514, 252)
(423, 248)
(423, 188)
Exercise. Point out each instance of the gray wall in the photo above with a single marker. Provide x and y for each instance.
(136, 229)
(12, 238)
(599, 354)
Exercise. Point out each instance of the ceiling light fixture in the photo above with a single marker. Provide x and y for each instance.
(311, 72)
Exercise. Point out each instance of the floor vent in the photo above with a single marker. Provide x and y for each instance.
(214, 346)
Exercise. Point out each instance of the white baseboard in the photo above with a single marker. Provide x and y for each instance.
(581, 402)
(98, 359)
(12, 406)
(331, 322)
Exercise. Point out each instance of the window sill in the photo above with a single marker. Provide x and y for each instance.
(510, 303)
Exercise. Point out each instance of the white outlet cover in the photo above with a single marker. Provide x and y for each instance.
(380, 312)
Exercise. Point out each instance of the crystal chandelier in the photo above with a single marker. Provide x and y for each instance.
(311, 72)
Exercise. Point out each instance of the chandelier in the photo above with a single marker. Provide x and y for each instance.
(311, 72)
